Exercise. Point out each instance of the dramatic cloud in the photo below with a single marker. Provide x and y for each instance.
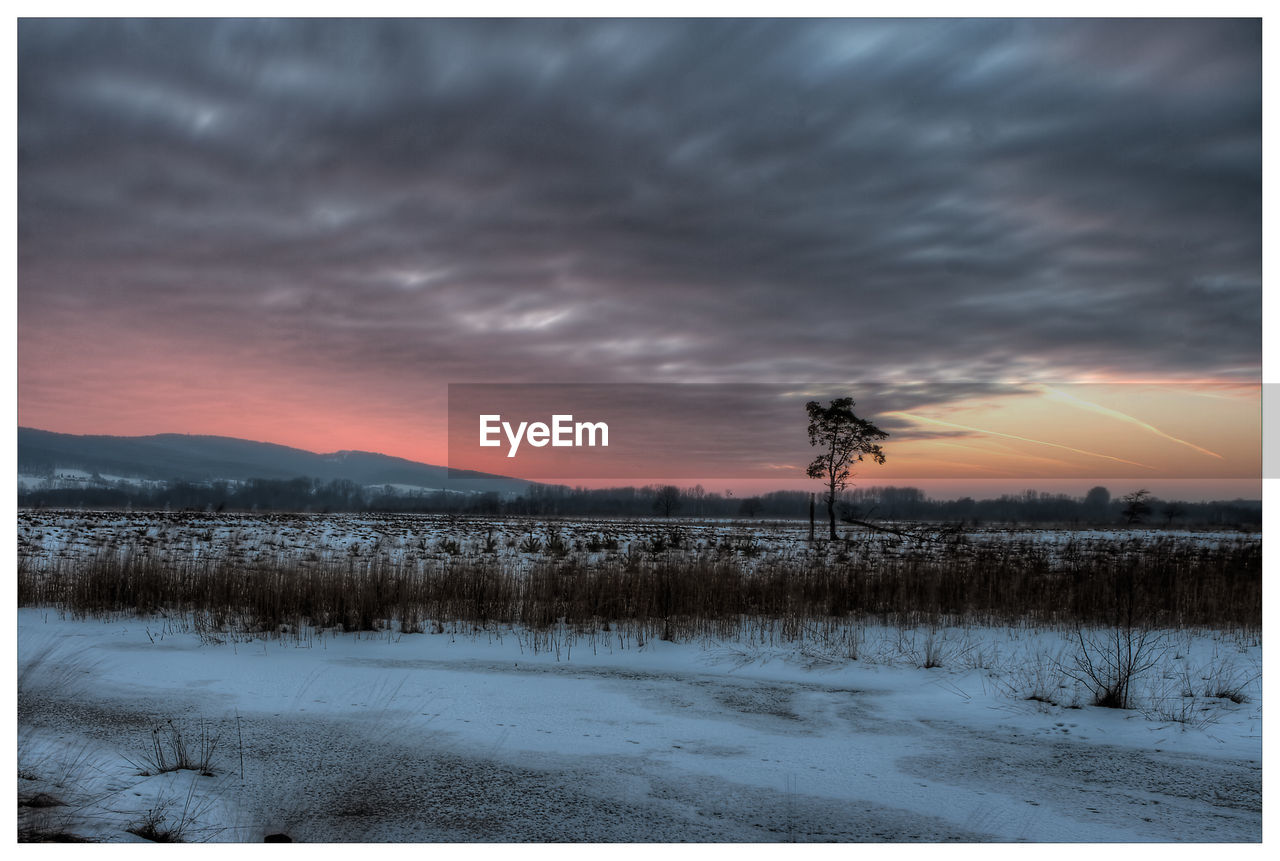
(379, 208)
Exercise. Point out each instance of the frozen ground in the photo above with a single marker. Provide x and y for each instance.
(47, 536)
(444, 737)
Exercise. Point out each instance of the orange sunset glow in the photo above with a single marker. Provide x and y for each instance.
(242, 249)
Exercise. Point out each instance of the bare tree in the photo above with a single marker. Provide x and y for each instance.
(1136, 506)
(844, 440)
(667, 501)
(1109, 661)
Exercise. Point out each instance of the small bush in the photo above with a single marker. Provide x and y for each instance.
(1222, 680)
(153, 825)
(159, 826)
(170, 751)
(556, 545)
(932, 655)
(1108, 663)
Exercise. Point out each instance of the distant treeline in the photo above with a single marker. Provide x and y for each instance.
(870, 503)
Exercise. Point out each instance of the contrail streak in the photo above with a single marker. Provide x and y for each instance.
(1014, 436)
(1006, 451)
(1116, 414)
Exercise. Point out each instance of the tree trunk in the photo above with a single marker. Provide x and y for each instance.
(831, 513)
(811, 518)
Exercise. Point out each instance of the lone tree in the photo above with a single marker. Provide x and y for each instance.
(844, 440)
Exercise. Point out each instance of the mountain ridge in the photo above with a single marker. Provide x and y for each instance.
(209, 457)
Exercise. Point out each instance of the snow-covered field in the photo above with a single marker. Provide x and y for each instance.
(459, 738)
(490, 731)
(52, 534)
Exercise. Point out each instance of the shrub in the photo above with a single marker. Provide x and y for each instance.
(1110, 662)
(170, 751)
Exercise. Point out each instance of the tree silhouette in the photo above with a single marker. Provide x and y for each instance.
(844, 440)
(667, 501)
(1097, 497)
(1136, 506)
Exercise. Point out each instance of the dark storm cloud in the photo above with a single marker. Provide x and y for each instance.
(654, 200)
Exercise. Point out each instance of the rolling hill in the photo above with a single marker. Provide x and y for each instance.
(167, 457)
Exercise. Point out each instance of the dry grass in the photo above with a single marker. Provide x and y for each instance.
(672, 591)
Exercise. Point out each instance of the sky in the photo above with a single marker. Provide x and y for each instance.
(303, 231)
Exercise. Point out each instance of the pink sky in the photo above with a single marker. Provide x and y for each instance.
(302, 231)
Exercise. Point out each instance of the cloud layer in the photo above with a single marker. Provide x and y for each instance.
(392, 206)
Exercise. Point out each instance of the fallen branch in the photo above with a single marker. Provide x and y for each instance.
(947, 530)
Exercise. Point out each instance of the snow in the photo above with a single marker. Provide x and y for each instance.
(408, 489)
(501, 735)
(49, 534)
(73, 478)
